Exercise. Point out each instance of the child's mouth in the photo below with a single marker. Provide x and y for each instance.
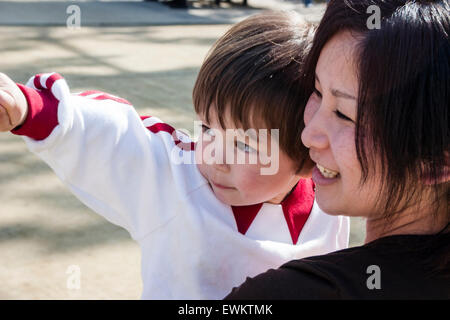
(221, 186)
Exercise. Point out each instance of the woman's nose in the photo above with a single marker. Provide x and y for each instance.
(314, 133)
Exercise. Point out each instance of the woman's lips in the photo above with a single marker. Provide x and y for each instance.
(320, 179)
(327, 173)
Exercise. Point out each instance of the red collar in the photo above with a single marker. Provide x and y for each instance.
(296, 208)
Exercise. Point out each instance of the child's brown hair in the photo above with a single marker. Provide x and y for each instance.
(254, 72)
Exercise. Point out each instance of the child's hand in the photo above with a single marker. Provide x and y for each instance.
(13, 104)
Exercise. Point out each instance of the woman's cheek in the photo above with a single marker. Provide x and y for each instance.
(344, 151)
(347, 146)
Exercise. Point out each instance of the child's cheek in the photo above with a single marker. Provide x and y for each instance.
(250, 180)
(199, 161)
(201, 151)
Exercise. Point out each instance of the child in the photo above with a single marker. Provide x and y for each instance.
(202, 227)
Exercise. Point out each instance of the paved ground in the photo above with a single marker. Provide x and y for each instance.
(44, 230)
(135, 13)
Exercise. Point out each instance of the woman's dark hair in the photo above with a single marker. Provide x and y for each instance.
(404, 93)
(254, 73)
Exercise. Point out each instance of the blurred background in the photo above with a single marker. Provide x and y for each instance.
(148, 52)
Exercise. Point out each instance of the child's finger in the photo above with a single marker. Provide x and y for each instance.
(9, 104)
(5, 122)
(6, 100)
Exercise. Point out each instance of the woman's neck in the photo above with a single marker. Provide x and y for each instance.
(414, 220)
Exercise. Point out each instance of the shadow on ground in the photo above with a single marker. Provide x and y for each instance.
(165, 92)
(40, 221)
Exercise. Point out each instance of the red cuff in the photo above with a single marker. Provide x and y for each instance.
(42, 115)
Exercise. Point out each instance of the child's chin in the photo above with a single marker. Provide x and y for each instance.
(233, 202)
(226, 201)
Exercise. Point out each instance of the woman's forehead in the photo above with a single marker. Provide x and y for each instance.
(337, 65)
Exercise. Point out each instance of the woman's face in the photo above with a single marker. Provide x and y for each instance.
(329, 133)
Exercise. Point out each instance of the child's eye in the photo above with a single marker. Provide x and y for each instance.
(244, 147)
(208, 130)
(342, 116)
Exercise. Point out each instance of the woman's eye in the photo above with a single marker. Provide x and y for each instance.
(244, 147)
(317, 92)
(208, 130)
(342, 116)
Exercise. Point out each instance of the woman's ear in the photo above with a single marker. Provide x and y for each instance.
(444, 175)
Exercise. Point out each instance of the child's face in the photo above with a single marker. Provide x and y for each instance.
(245, 182)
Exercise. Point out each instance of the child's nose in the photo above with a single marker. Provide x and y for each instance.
(214, 154)
(220, 160)
(225, 168)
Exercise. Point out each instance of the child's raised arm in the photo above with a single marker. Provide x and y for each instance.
(114, 161)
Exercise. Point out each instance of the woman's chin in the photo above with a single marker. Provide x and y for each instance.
(328, 206)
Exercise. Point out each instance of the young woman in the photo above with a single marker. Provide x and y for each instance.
(377, 125)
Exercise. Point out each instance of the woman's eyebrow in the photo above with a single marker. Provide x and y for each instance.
(337, 93)
(340, 94)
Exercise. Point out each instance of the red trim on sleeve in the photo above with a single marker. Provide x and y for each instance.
(103, 96)
(164, 127)
(109, 97)
(37, 82)
(52, 79)
(157, 127)
(88, 93)
(48, 83)
(42, 115)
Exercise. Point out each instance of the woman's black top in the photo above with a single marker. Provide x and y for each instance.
(392, 267)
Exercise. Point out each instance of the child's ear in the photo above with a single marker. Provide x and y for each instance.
(444, 175)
